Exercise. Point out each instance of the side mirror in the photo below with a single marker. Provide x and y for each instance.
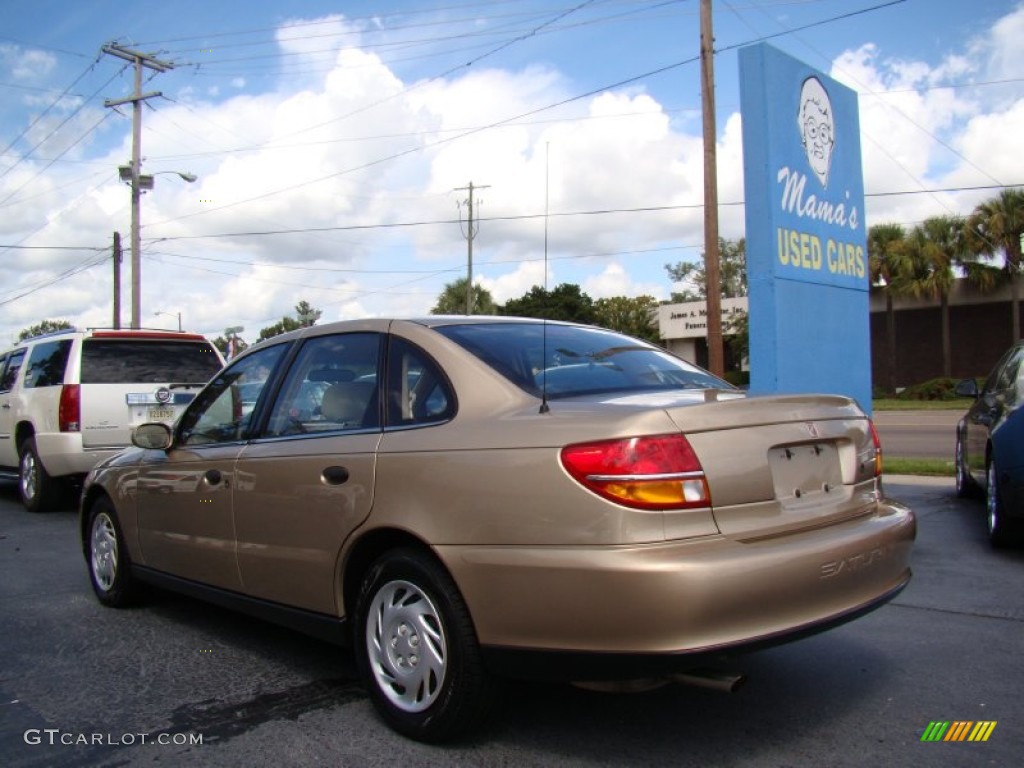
(967, 388)
(154, 436)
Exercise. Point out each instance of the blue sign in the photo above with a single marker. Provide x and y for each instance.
(807, 259)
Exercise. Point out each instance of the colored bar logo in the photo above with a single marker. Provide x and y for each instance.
(958, 730)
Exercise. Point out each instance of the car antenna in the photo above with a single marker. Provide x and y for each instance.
(544, 407)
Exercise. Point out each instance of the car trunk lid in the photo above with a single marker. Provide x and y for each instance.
(776, 464)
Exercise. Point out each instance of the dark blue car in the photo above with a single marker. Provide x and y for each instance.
(990, 446)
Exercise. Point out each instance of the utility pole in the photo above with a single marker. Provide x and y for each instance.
(117, 280)
(140, 61)
(470, 236)
(716, 357)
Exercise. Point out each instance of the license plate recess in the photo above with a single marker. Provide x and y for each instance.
(804, 471)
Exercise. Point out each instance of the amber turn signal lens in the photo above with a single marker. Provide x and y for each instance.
(653, 472)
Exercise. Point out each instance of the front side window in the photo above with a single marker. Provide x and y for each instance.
(46, 364)
(331, 386)
(11, 371)
(223, 411)
(1005, 377)
(563, 360)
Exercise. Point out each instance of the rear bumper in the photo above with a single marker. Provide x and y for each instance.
(683, 599)
(591, 666)
(62, 453)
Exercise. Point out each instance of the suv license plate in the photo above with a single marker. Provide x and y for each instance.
(160, 414)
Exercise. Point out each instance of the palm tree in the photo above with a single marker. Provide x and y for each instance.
(452, 300)
(936, 247)
(889, 266)
(995, 227)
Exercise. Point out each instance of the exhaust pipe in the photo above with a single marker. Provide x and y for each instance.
(709, 678)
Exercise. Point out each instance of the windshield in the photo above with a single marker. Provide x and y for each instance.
(574, 360)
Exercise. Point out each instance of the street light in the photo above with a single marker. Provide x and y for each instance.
(171, 314)
(140, 183)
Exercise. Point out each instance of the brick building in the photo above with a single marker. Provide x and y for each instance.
(979, 330)
(979, 333)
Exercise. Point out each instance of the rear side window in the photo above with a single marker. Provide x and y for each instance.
(153, 361)
(576, 360)
(10, 374)
(417, 391)
(46, 364)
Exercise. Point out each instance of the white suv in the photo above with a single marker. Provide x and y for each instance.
(71, 398)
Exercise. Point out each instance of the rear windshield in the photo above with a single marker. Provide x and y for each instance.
(153, 361)
(572, 360)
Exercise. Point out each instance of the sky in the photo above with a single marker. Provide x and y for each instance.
(334, 144)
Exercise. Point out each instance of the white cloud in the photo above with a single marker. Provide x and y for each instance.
(346, 150)
(615, 281)
(25, 64)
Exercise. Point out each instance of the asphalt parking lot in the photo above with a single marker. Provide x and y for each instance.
(175, 682)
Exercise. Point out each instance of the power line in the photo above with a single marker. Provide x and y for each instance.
(82, 267)
(529, 216)
(46, 138)
(530, 113)
(450, 222)
(46, 167)
(46, 111)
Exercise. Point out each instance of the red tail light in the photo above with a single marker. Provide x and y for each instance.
(656, 472)
(69, 413)
(878, 448)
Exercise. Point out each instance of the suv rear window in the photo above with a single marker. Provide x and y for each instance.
(573, 360)
(153, 361)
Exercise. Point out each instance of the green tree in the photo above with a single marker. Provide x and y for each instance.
(935, 248)
(224, 346)
(452, 300)
(306, 316)
(736, 333)
(46, 326)
(565, 302)
(732, 259)
(889, 267)
(637, 316)
(995, 228)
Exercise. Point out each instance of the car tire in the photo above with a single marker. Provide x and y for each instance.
(39, 492)
(1001, 531)
(417, 652)
(109, 566)
(964, 482)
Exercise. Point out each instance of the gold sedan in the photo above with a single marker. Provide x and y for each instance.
(469, 499)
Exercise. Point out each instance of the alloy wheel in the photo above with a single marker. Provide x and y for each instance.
(29, 476)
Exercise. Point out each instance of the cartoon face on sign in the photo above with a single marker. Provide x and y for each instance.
(817, 127)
